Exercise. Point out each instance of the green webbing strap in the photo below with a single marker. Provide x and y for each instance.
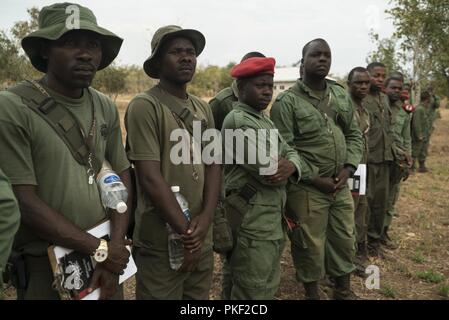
(177, 108)
(59, 118)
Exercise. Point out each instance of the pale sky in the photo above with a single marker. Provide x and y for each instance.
(277, 28)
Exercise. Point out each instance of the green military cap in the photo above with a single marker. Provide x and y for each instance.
(56, 20)
(166, 33)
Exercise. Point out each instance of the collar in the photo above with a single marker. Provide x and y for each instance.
(234, 88)
(246, 108)
(302, 86)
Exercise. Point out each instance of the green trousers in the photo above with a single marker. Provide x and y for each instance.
(40, 280)
(419, 150)
(324, 242)
(378, 190)
(252, 271)
(392, 199)
(155, 280)
(360, 212)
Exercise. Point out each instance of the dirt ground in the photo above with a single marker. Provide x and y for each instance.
(419, 268)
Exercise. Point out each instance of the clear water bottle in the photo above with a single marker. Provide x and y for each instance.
(112, 190)
(175, 246)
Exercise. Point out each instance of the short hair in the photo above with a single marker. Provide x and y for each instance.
(307, 45)
(389, 79)
(353, 71)
(252, 54)
(425, 96)
(397, 75)
(373, 65)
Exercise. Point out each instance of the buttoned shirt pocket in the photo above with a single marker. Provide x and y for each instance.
(307, 122)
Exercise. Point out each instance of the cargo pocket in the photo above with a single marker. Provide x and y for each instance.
(298, 211)
(222, 233)
(308, 123)
(235, 208)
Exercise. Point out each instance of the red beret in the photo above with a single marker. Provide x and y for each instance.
(253, 66)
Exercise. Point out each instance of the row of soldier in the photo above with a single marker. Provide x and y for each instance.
(325, 133)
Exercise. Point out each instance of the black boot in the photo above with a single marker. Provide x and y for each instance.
(343, 290)
(422, 167)
(360, 260)
(312, 290)
(387, 242)
(374, 248)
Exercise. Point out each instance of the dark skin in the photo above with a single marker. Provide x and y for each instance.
(177, 63)
(393, 90)
(72, 63)
(257, 92)
(317, 61)
(359, 87)
(378, 76)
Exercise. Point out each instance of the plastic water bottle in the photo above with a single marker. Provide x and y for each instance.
(112, 190)
(175, 246)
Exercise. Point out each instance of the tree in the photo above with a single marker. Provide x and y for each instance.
(386, 53)
(422, 26)
(111, 80)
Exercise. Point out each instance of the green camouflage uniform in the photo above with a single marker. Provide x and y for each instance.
(255, 260)
(401, 134)
(360, 201)
(323, 130)
(379, 160)
(9, 223)
(222, 103)
(432, 115)
(420, 132)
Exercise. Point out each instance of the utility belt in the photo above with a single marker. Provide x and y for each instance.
(229, 216)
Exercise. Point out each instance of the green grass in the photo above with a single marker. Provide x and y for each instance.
(444, 290)
(430, 276)
(418, 257)
(388, 292)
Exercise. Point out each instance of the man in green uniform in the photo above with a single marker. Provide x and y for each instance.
(316, 118)
(254, 262)
(150, 120)
(432, 115)
(9, 223)
(358, 84)
(56, 191)
(420, 130)
(401, 135)
(222, 103)
(380, 155)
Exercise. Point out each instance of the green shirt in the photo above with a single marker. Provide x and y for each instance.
(420, 123)
(363, 121)
(401, 127)
(323, 131)
(149, 124)
(222, 103)
(433, 106)
(34, 154)
(380, 135)
(264, 218)
(9, 222)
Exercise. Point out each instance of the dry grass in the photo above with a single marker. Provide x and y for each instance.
(421, 230)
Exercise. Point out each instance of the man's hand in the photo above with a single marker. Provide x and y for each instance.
(191, 260)
(107, 281)
(194, 237)
(325, 185)
(285, 170)
(118, 256)
(342, 179)
(409, 159)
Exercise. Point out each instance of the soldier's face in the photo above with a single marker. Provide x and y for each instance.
(257, 91)
(378, 75)
(74, 58)
(393, 90)
(359, 85)
(178, 61)
(317, 60)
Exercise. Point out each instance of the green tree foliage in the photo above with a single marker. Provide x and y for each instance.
(422, 26)
(111, 80)
(386, 53)
(208, 81)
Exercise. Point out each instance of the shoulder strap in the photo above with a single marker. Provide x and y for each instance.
(59, 118)
(186, 116)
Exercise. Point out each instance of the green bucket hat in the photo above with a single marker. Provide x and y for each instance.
(53, 24)
(169, 32)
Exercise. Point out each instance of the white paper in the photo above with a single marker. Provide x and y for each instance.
(361, 173)
(100, 231)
